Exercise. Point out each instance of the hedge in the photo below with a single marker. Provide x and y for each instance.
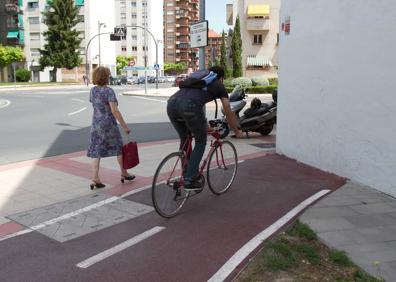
(22, 75)
(257, 89)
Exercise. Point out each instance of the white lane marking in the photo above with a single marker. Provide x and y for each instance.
(150, 99)
(60, 218)
(78, 100)
(250, 246)
(76, 112)
(120, 247)
(6, 103)
(134, 191)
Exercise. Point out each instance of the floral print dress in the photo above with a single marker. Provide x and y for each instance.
(106, 139)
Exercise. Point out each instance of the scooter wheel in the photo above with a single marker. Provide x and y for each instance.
(265, 130)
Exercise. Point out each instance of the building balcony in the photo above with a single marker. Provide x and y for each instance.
(35, 44)
(12, 9)
(254, 24)
(15, 26)
(15, 42)
(183, 45)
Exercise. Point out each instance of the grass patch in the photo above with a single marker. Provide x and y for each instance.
(297, 255)
(340, 258)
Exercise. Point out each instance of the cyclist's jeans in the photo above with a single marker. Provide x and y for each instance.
(187, 115)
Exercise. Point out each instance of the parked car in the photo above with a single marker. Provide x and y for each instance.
(170, 79)
(141, 80)
(121, 80)
(132, 80)
(161, 79)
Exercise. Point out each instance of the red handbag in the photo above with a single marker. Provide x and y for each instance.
(130, 155)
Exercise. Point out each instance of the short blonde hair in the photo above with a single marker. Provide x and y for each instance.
(101, 76)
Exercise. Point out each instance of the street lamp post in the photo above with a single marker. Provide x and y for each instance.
(99, 26)
(202, 49)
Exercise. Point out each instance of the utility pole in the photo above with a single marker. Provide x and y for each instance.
(201, 49)
(99, 26)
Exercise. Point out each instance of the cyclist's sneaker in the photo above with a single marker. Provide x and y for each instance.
(193, 185)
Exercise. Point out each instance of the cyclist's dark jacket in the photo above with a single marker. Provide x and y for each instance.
(214, 90)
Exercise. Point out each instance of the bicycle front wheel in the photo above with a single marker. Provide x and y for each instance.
(167, 192)
(222, 167)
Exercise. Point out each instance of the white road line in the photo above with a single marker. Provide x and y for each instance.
(60, 218)
(6, 103)
(150, 99)
(76, 112)
(120, 247)
(250, 246)
(78, 100)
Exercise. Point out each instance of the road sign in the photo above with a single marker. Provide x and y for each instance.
(199, 34)
(156, 66)
(115, 37)
(121, 31)
(136, 68)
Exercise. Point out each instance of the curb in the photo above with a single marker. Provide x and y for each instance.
(38, 86)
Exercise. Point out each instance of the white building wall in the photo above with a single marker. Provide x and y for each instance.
(337, 88)
(154, 22)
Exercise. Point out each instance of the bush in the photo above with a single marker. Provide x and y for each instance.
(256, 89)
(273, 81)
(245, 82)
(228, 82)
(260, 81)
(22, 75)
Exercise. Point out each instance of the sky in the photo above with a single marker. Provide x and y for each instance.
(216, 14)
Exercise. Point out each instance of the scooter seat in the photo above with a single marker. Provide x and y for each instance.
(256, 112)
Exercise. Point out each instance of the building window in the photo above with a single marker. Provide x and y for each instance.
(34, 20)
(82, 51)
(123, 16)
(81, 18)
(35, 36)
(170, 20)
(170, 30)
(35, 52)
(170, 4)
(145, 48)
(122, 4)
(277, 38)
(133, 3)
(170, 12)
(134, 37)
(258, 39)
(134, 48)
(123, 48)
(133, 15)
(33, 5)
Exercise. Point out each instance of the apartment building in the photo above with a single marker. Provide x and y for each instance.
(213, 50)
(94, 16)
(259, 22)
(139, 44)
(178, 16)
(11, 28)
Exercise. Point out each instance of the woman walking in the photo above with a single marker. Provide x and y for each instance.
(106, 139)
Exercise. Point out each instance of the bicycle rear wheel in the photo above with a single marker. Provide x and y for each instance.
(222, 167)
(167, 193)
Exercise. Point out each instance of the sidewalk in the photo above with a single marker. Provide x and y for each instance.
(40, 86)
(361, 221)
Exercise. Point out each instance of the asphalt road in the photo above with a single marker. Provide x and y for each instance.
(41, 123)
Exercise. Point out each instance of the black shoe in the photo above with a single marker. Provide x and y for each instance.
(194, 185)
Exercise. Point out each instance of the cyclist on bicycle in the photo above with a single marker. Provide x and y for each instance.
(186, 112)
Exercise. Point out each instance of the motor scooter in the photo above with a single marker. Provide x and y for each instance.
(260, 117)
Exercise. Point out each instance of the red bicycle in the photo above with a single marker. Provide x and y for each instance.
(221, 164)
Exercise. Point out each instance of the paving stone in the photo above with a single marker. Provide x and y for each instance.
(340, 238)
(379, 234)
(328, 212)
(367, 220)
(328, 224)
(373, 208)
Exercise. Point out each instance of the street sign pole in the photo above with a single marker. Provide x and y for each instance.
(202, 49)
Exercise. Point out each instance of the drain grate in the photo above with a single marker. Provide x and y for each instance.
(264, 145)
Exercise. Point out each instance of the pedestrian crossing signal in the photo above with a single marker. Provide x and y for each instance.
(121, 32)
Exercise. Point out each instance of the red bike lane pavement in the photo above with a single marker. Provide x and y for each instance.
(193, 246)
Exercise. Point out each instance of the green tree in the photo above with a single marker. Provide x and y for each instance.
(223, 55)
(8, 55)
(236, 47)
(173, 69)
(62, 49)
(122, 61)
